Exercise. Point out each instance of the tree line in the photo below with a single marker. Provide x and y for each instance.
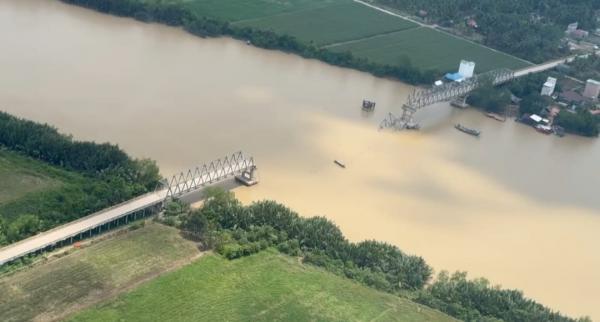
(177, 14)
(530, 29)
(97, 176)
(234, 230)
(477, 300)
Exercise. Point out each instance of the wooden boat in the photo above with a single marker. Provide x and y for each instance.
(339, 163)
(467, 130)
(496, 117)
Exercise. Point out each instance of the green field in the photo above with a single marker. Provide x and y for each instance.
(236, 10)
(349, 26)
(429, 49)
(20, 176)
(53, 289)
(332, 24)
(262, 287)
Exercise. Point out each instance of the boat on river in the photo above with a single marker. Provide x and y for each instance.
(340, 164)
(467, 130)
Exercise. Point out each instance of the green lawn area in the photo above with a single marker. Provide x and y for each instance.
(429, 49)
(20, 176)
(235, 10)
(264, 287)
(50, 290)
(332, 24)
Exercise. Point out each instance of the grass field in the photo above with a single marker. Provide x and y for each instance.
(20, 176)
(349, 26)
(429, 49)
(53, 289)
(236, 10)
(263, 287)
(332, 24)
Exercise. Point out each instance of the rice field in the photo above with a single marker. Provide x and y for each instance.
(238, 10)
(332, 24)
(429, 49)
(345, 25)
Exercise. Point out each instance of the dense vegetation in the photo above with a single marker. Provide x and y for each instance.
(97, 176)
(177, 14)
(582, 122)
(477, 300)
(490, 98)
(235, 231)
(528, 29)
(585, 68)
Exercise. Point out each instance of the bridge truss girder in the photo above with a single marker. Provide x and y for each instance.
(198, 177)
(419, 99)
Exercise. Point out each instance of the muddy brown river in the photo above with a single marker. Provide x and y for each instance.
(515, 206)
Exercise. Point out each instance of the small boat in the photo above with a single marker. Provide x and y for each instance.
(467, 130)
(545, 129)
(339, 163)
(496, 117)
(413, 126)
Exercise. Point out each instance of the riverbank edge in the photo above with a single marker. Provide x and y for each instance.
(176, 15)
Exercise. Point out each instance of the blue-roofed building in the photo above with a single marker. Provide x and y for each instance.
(455, 77)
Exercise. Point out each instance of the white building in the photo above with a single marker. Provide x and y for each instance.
(549, 85)
(592, 89)
(572, 27)
(466, 69)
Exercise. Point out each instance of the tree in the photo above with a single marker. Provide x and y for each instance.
(489, 98)
(533, 103)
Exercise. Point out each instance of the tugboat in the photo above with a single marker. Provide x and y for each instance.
(467, 130)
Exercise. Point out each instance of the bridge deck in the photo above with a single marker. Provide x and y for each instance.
(216, 172)
(76, 227)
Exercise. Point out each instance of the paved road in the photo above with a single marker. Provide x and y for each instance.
(543, 67)
(76, 227)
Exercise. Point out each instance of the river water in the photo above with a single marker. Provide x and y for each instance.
(515, 206)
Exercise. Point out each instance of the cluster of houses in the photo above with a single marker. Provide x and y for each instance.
(568, 99)
(582, 40)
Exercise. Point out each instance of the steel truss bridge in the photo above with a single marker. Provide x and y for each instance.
(419, 99)
(145, 205)
(196, 178)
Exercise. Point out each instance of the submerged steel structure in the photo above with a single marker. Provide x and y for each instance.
(209, 173)
(418, 99)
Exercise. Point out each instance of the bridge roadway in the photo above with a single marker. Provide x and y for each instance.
(87, 224)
